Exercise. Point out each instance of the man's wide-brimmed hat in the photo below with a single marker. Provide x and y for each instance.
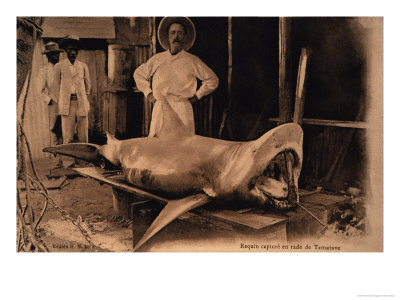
(163, 31)
(71, 39)
(51, 47)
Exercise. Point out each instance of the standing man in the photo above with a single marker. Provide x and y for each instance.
(48, 90)
(73, 80)
(49, 93)
(174, 73)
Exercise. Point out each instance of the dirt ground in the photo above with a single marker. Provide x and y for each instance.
(87, 201)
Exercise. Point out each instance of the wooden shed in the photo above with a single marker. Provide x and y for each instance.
(246, 54)
(112, 48)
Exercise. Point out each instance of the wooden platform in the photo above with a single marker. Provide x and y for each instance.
(290, 225)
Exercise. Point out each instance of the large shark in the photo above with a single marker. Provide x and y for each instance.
(193, 170)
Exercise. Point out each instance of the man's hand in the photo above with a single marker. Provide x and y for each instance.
(151, 98)
(193, 99)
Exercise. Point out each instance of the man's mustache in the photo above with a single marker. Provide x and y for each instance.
(177, 40)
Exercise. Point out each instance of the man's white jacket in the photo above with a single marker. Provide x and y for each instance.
(65, 79)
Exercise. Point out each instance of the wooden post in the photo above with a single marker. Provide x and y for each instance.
(230, 58)
(106, 104)
(121, 62)
(121, 202)
(285, 102)
(141, 222)
(224, 114)
(210, 115)
(153, 35)
(147, 106)
(300, 89)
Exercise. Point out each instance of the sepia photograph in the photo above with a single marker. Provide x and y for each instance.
(200, 150)
(200, 134)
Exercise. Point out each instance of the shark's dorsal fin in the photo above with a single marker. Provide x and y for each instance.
(111, 150)
(110, 137)
(172, 126)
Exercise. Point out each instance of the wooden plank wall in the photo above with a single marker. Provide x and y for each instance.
(120, 69)
(125, 113)
(36, 121)
(205, 116)
(334, 157)
(85, 27)
(96, 62)
(143, 53)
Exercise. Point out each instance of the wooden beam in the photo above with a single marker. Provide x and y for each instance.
(210, 115)
(224, 120)
(153, 35)
(285, 103)
(334, 123)
(300, 88)
(254, 220)
(331, 123)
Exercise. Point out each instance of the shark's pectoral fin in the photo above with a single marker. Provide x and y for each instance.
(170, 212)
(85, 151)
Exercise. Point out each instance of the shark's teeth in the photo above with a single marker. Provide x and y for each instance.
(279, 204)
(209, 191)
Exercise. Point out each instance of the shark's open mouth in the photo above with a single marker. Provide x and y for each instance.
(271, 186)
